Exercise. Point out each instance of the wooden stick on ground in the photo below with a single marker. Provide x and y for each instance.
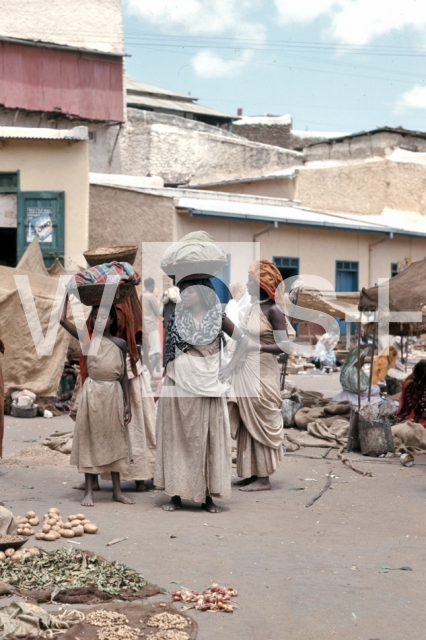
(323, 490)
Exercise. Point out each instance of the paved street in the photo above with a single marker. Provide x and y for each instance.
(304, 574)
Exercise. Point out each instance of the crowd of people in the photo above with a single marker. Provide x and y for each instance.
(209, 393)
(218, 380)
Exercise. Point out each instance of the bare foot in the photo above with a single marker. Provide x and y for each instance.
(141, 486)
(174, 504)
(210, 506)
(120, 497)
(244, 482)
(82, 486)
(87, 499)
(261, 484)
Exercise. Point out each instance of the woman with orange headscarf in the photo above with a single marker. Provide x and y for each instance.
(256, 419)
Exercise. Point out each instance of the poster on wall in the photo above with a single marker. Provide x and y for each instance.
(39, 223)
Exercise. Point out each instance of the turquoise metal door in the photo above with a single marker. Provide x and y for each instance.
(41, 214)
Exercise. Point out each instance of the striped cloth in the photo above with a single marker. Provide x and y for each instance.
(109, 272)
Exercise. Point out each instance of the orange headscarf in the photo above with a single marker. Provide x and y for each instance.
(269, 279)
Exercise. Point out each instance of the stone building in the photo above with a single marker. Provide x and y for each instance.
(369, 173)
(278, 131)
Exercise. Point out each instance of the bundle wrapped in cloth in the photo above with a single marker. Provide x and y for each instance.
(195, 254)
(89, 284)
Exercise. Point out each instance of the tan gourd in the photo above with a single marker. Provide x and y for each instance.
(90, 528)
(50, 536)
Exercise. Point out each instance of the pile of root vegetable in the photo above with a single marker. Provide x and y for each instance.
(115, 626)
(69, 568)
(54, 526)
(215, 598)
(15, 554)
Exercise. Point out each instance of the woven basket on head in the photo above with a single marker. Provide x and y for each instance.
(91, 294)
(111, 254)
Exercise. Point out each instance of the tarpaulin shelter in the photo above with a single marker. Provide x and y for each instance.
(407, 293)
(337, 307)
(32, 261)
(23, 368)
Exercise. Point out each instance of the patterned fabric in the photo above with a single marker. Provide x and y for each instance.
(109, 272)
(183, 333)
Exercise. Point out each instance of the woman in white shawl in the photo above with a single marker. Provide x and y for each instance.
(193, 458)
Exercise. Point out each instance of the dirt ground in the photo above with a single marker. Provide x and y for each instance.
(301, 573)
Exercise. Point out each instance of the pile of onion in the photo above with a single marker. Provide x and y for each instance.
(215, 598)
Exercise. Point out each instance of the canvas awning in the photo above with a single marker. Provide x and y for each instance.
(344, 302)
(407, 293)
(407, 290)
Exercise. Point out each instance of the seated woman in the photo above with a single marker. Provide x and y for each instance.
(412, 402)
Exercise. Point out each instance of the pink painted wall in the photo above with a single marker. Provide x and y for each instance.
(79, 84)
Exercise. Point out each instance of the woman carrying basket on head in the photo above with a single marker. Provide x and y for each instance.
(100, 442)
(193, 459)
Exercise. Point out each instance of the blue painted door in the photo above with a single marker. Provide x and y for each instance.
(346, 280)
(41, 213)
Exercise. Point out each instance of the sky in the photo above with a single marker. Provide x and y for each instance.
(333, 65)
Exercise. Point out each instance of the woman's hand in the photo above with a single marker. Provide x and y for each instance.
(127, 414)
(225, 373)
(251, 345)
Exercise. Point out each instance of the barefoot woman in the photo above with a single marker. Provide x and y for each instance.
(193, 437)
(256, 417)
(100, 439)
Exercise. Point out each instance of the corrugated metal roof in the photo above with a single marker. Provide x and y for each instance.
(122, 180)
(264, 120)
(151, 89)
(291, 215)
(77, 133)
(288, 174)
(102, 49)
(372, 132)
(140, 101)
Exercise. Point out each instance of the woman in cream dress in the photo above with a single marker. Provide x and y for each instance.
(100, 442)
(255, 410)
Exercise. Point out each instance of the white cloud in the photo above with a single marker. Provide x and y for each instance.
(415, 98)
(193, 16)
(207, 64)
(205, 17)
(302, 10)
(356, 21)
